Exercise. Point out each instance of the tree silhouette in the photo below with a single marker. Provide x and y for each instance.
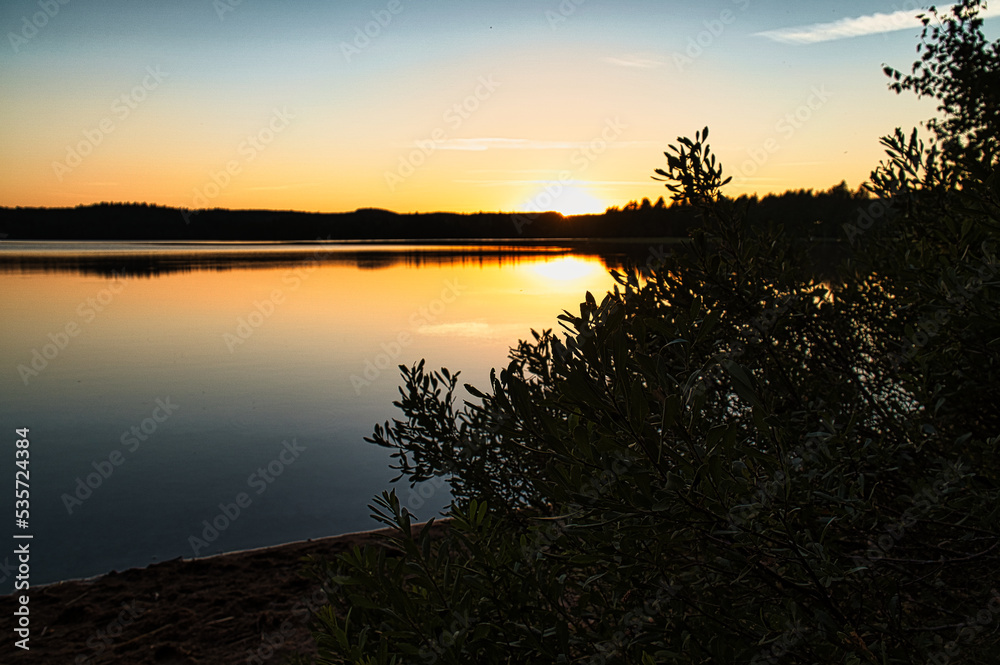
(721, 462)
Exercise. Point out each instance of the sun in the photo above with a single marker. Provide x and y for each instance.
(578, 201)
(568, 200)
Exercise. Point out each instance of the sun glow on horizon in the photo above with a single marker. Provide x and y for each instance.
(447, 111)
(568, 200)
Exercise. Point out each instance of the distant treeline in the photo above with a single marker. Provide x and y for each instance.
(803, 213)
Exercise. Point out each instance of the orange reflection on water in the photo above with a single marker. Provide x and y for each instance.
(305, 321)
(251, 354)
(566, 268)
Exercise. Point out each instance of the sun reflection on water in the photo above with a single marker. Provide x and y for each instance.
(566, 268)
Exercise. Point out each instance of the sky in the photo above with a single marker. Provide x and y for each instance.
(447, 105)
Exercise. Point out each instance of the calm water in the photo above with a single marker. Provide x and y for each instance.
(170, 385)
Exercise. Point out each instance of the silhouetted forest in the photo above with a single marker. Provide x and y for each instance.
(142, 261)
(802, 213)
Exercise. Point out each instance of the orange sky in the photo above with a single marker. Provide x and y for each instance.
(446, 108)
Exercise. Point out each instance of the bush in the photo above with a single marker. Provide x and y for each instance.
(720, 461)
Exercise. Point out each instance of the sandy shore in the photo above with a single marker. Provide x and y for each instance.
(243, 607)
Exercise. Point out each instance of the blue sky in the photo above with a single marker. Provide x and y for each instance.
(441, 105)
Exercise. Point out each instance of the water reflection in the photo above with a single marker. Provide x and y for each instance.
(152, 259)
(256, 345)
(564, 268)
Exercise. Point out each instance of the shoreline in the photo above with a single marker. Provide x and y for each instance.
(370, 533)
(228, 608)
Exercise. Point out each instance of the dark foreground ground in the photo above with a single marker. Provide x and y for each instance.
(246, 607)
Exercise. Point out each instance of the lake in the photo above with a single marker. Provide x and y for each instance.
(187, 399)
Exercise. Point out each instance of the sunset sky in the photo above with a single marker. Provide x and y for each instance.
(438, 105)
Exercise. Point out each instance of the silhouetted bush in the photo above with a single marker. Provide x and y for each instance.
(721, 462)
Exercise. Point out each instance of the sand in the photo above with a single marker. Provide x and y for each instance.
(243, 607)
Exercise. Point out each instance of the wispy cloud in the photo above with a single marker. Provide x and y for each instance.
(487, 143)
(636, 61)
(845, 28)
(491, 143)
(550, 181)
(470, 329)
